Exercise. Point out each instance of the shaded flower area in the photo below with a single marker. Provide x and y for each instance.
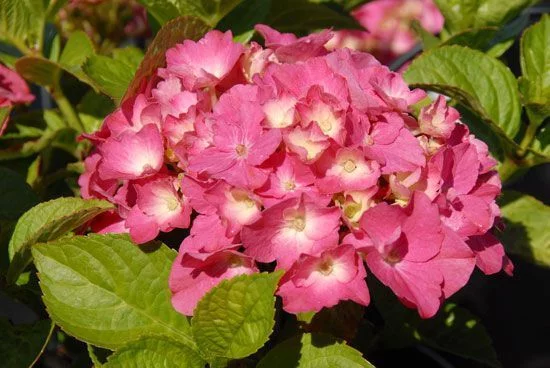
(388, 27)
(13, 91)
(294, 157)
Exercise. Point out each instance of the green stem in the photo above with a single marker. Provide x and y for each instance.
(529, 136)
(67, 110)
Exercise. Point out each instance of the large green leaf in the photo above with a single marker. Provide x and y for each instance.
(154, 352)
(48, 221)
(235, 318)
(243, 18)
(16, 196)
(461, 15)
(38, 70)
(314, 351)
(302, 16)
(541, 143)
(107, 291)
(453, 329)
(92, 109)
(45, 72)
(457, 331)
(210, 11)
(477, 38)
(535, 66)
(77, 49)
(109, 75)
(22, 345)
(22, 22)
(473, 78)
(526, 233)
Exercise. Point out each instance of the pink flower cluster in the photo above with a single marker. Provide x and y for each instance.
(388, 23)
(296, 158)
(13, 90)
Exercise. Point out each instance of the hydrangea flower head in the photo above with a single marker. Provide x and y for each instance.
(297, 158)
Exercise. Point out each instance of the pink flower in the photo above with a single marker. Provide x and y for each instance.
(411, 252)
(208, 235)
(389, 142)
(311, 159)
(438, 119)
(238, 148)
(132, 155)
(313, 283)
(194, 274)
(290, 179)
(290, 49)
(389, 22)
(133, 116)
(237, 207)
(291, 228)
(206, 62)
(490, 256)
(173, 99)
(349, 170)
(13, 88)
(13, 91)
(159, 207)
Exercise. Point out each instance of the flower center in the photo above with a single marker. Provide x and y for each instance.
(171, 203)
(349, 166)
(368, 140)
(325, 267)
(289, 185)
(241, 149)
(325, 125)
(298, 223)
(393, 257)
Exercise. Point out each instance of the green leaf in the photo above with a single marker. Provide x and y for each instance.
(526, 233)
(244, 17)
(92, 110)
(457, 331)
(173, 32)
(112, 75)
(22, 345)
(210, 11)
(429, 41)
(535, 66)
(22, 22)
(131, 56)
(541, 143)
(302, 16)
(38, 70)
(347, 5)
(45, 72)
(235, 318)
(78, 48)
(313, 351)
(13, 186)
(453, 329)
(48, 221)
(461, 15)
(109, 75)
(479, 81)
(154, 352)
(342, 321)
(477, 38)
(107, 291)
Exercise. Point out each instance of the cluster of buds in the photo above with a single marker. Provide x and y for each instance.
(295, 158)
